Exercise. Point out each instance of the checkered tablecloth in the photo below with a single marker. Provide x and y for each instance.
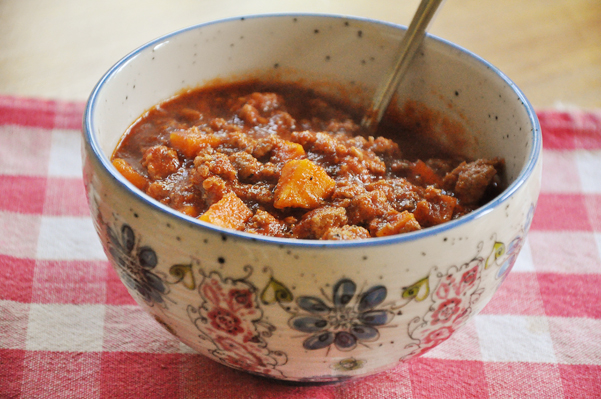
(69, 329)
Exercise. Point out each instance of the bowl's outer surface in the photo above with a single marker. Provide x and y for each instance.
(293, 309)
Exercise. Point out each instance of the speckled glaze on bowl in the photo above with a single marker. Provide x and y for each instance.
(304, 310)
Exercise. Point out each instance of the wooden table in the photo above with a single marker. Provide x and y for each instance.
(58, 49)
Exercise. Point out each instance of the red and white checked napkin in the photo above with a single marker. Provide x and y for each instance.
(69, 329)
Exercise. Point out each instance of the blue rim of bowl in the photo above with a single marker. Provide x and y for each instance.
(88, 128)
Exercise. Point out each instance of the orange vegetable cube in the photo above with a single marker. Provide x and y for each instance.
(427, 175)
(302, 184)
(189, 210)
(228, 212)
(437, 211)
(191, 141)
(133, 176)
(394, 223)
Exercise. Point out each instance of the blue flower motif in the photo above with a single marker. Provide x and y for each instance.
(345, 323)
(512, 252)
(136, 264)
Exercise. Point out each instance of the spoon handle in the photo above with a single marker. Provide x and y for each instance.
(407, 49)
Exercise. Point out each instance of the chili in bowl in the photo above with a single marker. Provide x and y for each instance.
(280, 160)
(246, 211)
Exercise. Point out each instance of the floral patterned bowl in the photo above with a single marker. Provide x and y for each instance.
(305, 310)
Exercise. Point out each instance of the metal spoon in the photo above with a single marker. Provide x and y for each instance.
(409, 44)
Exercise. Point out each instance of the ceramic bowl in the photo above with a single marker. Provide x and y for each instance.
(304, 310)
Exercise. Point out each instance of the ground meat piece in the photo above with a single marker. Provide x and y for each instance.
(177, 191)
(321, 143)
(213, 189)
(245, 164)
(265, 102)
(315, 223)
(269, 173)
(236, 141)
(264, 146)
(328, 145)
(469, 181)
(367, 206)
(214, 163)
(383, 146)
(354, 166)
(344, 192)
(304, 138)
(375, 165)
(251, 170)
(187, 198)
(347, 189)
(266, 224)
(160, 161)
(345, 232)
(282, 122)
(325, 145)
(359, 160)
(251, 115)
(160, 191)
(260, 193)
(402, 195)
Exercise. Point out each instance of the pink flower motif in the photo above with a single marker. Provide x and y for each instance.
(446, 311)
(231, 325)
(468, 279)
(444, 289)
(229, 317)
(240, 298)
(224, 320)
(437, 336)
(233, 298)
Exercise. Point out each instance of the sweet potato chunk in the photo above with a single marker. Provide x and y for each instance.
(228, 212)
(130, 173)
(394, 223)
(302, 184)
(189, 210)
(436, 208)
(191, 141)
(424, 174)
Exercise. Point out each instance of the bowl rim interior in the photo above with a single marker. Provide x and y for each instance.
(91, 140)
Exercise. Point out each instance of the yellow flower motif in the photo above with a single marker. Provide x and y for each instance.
(349, 364)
